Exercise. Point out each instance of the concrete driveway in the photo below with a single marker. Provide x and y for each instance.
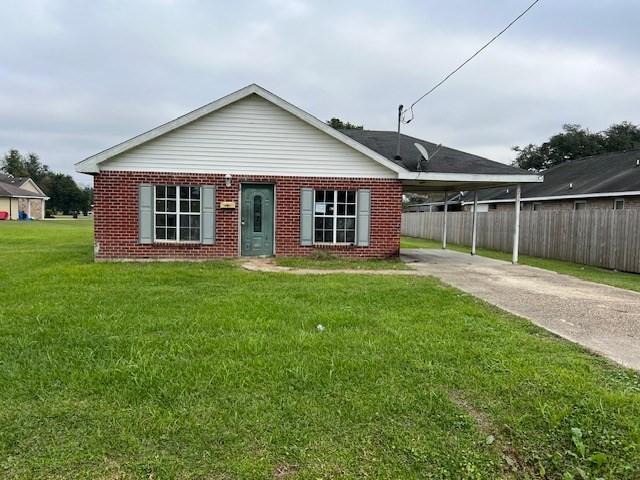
(604, 319)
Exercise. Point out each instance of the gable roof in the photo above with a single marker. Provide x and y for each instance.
(608, 174)
(442, 159)
(91, 164)
(11, 189)
(447, 169)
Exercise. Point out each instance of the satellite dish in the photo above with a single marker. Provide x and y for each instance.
(423, 152)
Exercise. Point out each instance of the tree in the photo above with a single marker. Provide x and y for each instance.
(35, 169)
(340, 125)
(16, 164)
(63, 192)
(622, 136)
(574, 142)
(13, 164)
(87, 199)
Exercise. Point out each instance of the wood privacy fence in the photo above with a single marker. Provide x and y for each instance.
(603, 238)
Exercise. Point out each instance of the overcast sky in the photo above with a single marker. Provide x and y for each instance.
(77, 77)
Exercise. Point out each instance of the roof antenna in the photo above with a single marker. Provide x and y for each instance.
(400, 109)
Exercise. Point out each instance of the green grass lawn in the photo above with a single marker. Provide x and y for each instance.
(204, 370)
(630, 281)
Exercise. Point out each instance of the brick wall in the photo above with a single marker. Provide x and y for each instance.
(116, 216)
(37, 208)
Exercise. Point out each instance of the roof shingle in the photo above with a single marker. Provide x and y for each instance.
(442, 159)
(9, 187)
(605, 173)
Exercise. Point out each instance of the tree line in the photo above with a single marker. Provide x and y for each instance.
(573, 142)
(64, 193)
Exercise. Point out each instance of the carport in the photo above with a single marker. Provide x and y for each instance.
(438, 169)
(424, 182)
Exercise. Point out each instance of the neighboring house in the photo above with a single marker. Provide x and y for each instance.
(454, 204)
(607, 181)
(251, 174)
(21, 194)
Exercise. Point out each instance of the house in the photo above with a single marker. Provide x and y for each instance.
(21, 195)
(251, 174)
(436, 204)
(606, 181)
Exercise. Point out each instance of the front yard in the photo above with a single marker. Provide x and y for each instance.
(204, 370)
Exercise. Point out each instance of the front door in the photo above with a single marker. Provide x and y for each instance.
(256, 230)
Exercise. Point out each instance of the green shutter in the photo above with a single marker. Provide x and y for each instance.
(145, 213)
(364, 217)
(208, 227)
(306, 216)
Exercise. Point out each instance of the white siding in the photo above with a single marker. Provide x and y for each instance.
(253, 137)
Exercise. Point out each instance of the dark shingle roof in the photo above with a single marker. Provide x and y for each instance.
(9, 187)
(4, 178)
(605, 173)
(443, 159)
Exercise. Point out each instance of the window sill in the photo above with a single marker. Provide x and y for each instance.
(177, 244)
(328, 245)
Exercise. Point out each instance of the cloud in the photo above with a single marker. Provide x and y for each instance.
(77, 77)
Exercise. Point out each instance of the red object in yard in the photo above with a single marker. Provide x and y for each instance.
(4, 215)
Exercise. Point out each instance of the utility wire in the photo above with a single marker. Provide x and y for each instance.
(495, 37)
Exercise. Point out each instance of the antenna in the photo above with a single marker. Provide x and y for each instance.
(400, 109)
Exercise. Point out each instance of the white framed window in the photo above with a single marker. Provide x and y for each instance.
(177, 213)
(618, 204)
(580, 205)
(334, 216)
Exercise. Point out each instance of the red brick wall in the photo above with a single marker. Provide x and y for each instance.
(116, 216)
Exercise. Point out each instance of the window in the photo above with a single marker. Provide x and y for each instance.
(177, 213)
(334, 216)
(492, 206)
(618, 204)
(537, 206)
(580, 205)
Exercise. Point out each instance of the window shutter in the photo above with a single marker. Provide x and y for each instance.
(364, 217)
(208, 227)
(306, 216)
(145, 213)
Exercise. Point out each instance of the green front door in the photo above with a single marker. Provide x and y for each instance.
(256, 220)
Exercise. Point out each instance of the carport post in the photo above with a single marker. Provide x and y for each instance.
(444, 223)
(474, 223)
(516, 227)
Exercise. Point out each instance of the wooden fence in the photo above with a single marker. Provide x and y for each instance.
(604, 238)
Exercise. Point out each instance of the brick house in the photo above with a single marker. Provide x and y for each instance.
(607, 181)
(251, 174)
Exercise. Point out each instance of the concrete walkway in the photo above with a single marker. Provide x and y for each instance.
(603, 319)
(257, 264)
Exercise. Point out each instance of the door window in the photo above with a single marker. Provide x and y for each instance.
(257, 213)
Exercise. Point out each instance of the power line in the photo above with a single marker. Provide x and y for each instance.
(495, 37)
